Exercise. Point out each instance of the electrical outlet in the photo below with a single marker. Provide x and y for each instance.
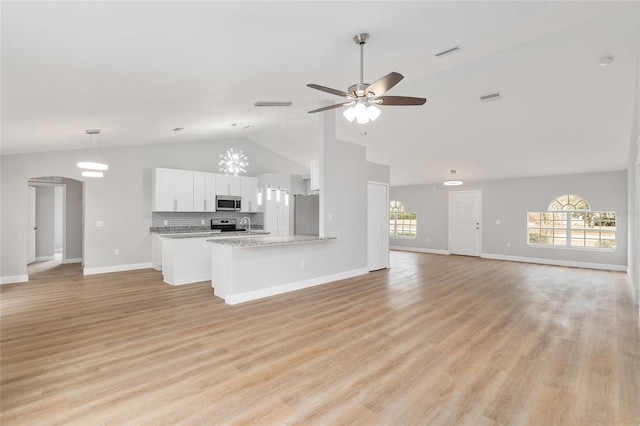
(166, 222)
(508, 244)
(99, 224)
(116, 252)
(202, 223)
(330, 217)
(302, 263)
(428, 239)
(498, 222)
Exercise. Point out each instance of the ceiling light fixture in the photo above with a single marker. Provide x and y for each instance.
(92, 168)
(452, 181)
(233, 163)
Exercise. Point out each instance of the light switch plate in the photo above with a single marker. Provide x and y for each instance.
(99, 224)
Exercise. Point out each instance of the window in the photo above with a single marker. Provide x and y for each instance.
(401, 224)
(569, 222)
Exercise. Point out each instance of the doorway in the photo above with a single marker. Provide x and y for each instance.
(55, 227)
(377, 226)
(465, 217)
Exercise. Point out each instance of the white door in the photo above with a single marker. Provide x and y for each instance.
(465, 208)
(377, 226)
(31, 226)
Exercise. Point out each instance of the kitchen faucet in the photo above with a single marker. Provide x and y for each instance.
(248, 222)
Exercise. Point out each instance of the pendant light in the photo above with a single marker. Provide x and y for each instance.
(453, 181)
(233, 163)
(93, 168)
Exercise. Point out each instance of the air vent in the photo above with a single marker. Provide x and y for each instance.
(490, 97)
(47, 179)
(178, 129)
(455, 49)
(271, 104)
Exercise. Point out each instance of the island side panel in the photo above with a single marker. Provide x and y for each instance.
(258, 272)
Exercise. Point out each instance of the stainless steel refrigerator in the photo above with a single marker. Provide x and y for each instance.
(306, 215)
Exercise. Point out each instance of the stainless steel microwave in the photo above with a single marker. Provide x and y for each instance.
(228, 203)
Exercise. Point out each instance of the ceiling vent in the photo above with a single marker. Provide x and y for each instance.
(455, 49)
(490, 97)
(273, 104)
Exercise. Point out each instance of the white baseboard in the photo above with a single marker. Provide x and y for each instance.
(43, 258)
(419, 250)
(116, 268)
(234, 299)
(10, 279)
(189, 279)
(555, 262)
(76, 260)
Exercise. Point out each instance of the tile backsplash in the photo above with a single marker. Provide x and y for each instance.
(196, 218)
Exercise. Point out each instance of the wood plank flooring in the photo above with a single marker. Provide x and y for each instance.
(442, 340)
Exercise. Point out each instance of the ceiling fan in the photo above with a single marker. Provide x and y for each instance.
(362, 98)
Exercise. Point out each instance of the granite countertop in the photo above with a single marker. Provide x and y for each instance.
(179, 229)
(235, 235)
(270, 240)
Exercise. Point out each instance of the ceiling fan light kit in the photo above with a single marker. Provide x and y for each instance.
(362, 97)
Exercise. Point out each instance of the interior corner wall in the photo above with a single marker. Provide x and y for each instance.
(120, 202)
(73, 219)
(508, 201)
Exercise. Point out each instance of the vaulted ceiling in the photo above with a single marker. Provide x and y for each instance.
(137, 70)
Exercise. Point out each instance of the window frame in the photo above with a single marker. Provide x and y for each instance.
(396, 207)
(567, 229)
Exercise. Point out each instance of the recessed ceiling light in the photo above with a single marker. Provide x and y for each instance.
(606, 60)
(270, 104)
(178, 129)
(454, 49)
(490, 97)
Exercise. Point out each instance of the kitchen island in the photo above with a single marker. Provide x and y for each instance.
(249, 268)
(186, 257)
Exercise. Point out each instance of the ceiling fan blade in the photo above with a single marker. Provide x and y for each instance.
(399, 100)
(329, 90)
(383, 84)
(331, 107)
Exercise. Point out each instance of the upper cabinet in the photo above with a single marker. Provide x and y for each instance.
(314, 181)
(227, 185)
(204, 192)
(187, 191)
(249, 194)
(172, 190)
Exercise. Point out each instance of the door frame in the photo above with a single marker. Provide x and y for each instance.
(479, 235)
(386, 187)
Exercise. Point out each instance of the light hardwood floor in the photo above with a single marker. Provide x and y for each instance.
(442, 340)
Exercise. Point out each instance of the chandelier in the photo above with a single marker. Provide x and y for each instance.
(233, 163)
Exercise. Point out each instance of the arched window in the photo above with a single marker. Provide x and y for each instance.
(401, 224)
(568, 202)
(570, 222)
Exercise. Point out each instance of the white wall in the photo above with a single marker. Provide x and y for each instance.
(508, 201)
(58, 217)
(45, 234)
(121, 200)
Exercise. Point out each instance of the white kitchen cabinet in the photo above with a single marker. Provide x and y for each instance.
(249, 194)
(276, 217)
(314, 176)
(172, 190)
(204, 192)
(227, 185)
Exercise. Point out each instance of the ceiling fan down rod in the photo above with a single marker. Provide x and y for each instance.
(361, 39)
